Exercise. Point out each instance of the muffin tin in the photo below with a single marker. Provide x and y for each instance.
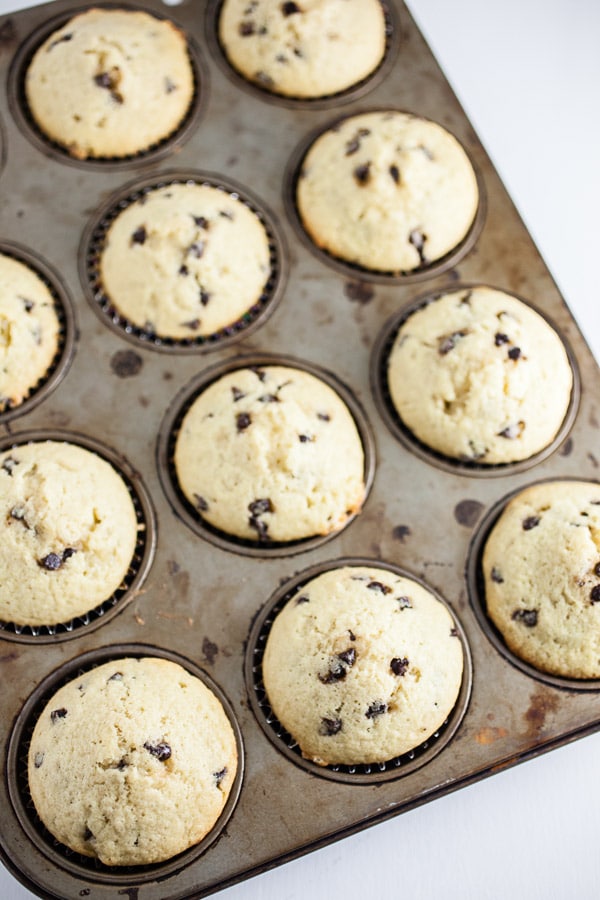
(205, 600)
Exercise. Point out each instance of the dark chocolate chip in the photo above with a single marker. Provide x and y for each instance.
(395, 173)
(260, 527)
(324, 417)
(289, 8)
(529, 617)
(242, 421)
(183, 270)
(9, 463)
(139, 235)
(58, 714)
(161, 751)
(454, 632)
(303, 598)
(377, 708)
(200, 503)
(305, 438)
(117, 676)
(597, 569)
(378, 586)
(38, 759)
(354, 143)
(18, 513)
(530, 522)
(51, 562)
(500, 339)
(399, 666)
(362, 173)
(103, 80)
(448, 342)
(329, 727)
(337, 672)
(258, 507)
(496, 576)
(265, 79)
(237, 394)
(348, 656)
(170, 86)
(192, 324)
(220, 775)
(201, 222)
(595, 594)
(28, 304)
(87, 834)
(514, 353)
(204, 296)
(260, 373)
(196, 249)
(247, 28)
(268, 398)
(60, 40)
(512, 432)
(404, 602)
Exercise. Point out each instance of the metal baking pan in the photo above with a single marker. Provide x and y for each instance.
(206, 600)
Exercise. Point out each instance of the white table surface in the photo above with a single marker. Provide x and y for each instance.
(528, 75)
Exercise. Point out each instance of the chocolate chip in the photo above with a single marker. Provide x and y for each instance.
(348, 656)
(496, 576)
(329, 727)
(268, 398)
(237, 394)
(200, 503)
(362, 173)
(183, 270)
(354, 143)
(324, 417)
(139, 235)
(201, 222)
(399, 666)
(52, 562)
(196, 249)
(18, 513)
(305, 438)
(63, 39)
(260, 373)
(377, 708)
(161, 751)
(226, 214)
(378, 586)
(258, 507)
(58, 714)
(38, 759)
(404, 602)
(530, 522)
(242, 421)
(170, 86)
(103, 80)
(289, 8)
(512, 432)
(514, 353)
(597, 569)
(204, 296)
(337, 672)
(417, 239)
(395, 173)
(264, 78)
(192, 324)
(118, 676)
(220, 775)
(87, 834)
(500, 339)
(454, 632)
(448, 342)
(303, 598)
(247, 28)
(9, 463)
(595, 594)
(28, 304)
(529, 617)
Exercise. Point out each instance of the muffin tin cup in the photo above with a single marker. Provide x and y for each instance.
(29, 127)
(355, 270)
(476, 589)
(138, 567)
(67, 330)
(167, 439)
(393, 35)
(363, 773)
(379, 361)
(201, 592)
(62, 857)
(92, 244)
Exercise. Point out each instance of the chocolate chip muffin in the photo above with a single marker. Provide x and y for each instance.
(387, 191)
(541, 569)
(132, 762)
(306, 49)
(478, 375)
(362, 665)
(68, 532)
(110, 83)
(185, 260)
(29, 331)
(271, 453)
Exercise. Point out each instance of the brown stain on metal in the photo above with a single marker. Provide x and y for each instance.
(489, 735)
(359, 292)
(401, 532)
(210, 651)
(567, 448)
(541, 705)
(8, 35)
(467, 512)
(126, 363)
(9, 657)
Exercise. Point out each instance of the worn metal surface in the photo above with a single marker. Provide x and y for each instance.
(200, 598)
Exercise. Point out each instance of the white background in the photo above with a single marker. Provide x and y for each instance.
(528, 75)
